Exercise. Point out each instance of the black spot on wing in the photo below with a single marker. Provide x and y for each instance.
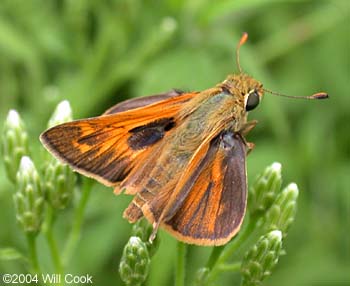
(146, 135)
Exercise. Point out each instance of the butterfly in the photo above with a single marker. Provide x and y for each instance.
(181, 155)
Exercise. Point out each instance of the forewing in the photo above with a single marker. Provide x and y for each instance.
(211, 195)
(108, 147)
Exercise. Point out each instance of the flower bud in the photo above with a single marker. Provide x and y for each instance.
(282, 213)
(134, 264)
(62, 114)
(59, 181)
(14, 143)
(264, 190)
(261, 258)
(29, 201)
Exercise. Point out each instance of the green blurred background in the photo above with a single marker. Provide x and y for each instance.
(97, 53)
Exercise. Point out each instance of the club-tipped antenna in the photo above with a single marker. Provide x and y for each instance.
(319, 95)
(243, 39)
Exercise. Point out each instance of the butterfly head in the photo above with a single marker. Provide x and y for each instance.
(247, 91)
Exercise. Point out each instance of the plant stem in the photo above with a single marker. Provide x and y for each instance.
(31, 237)
(220, 255)
(228, 252)
(215, 254)
(180, 264)
(50, 219)
(77, 221)
(232, 267)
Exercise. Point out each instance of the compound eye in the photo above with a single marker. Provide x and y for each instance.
(252, 101)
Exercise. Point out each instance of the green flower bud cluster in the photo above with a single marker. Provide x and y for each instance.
(134, 264)
(59, 183)
(29, 199)
(282, 213)
(264, 189)
(14, 143)
(279, 207)
(58, 180)
(274, 212)
(261, 258)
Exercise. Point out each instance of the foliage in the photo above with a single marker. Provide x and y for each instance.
(97, 53)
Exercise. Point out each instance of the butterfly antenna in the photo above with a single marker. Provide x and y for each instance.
(243, 39)
(319, 95)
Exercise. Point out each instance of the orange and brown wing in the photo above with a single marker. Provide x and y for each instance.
(211, 195)
(108, 147)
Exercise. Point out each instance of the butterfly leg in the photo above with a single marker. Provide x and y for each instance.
(250, 147)
(154, 232)
(249, 126)
(244, 131)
